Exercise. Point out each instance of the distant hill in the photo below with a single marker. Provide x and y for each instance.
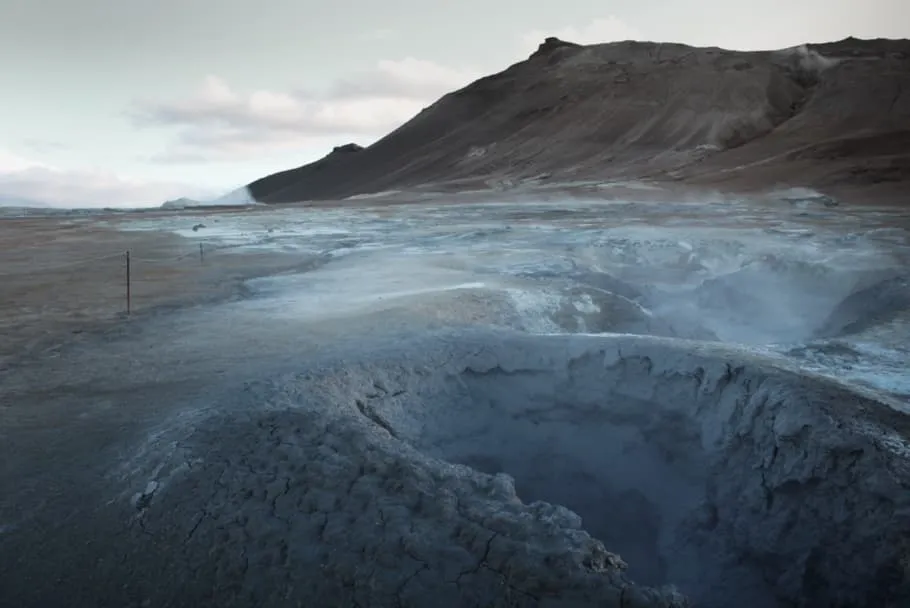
(23, 203)
(181, 203)
(239, 197)
(835, 114)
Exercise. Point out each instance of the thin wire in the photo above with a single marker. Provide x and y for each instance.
(134, 258)
(207, 250)
(67, 265)
(193, 253)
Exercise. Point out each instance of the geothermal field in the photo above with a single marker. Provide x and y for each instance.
(538, 398)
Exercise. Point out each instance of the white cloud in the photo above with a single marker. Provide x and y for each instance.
(42, 146)
(25, 181)
(604, 29)
(218, 122)
(381, 34)
(10, 162)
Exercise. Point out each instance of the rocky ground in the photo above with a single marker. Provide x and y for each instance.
(369, 423)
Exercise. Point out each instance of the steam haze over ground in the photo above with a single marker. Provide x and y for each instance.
(620, 325)
(473, 397)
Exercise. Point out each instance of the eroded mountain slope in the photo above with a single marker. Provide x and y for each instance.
(812, 116)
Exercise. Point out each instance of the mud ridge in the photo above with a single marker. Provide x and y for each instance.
(517, 470)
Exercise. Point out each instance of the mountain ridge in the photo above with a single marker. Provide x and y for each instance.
(817, 115)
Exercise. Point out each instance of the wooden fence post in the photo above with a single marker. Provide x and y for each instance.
(128, 298)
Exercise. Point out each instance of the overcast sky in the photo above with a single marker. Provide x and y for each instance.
(108, 102)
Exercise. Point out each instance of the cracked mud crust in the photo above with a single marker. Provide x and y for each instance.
(294, 506)
(338, 485)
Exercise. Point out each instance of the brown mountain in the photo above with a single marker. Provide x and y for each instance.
(833, 115)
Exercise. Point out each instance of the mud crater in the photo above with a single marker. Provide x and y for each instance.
(737, 484)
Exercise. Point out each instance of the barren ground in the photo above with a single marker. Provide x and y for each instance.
(438, 404)
(63, 277)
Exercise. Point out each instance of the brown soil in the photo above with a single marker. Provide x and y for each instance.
(62, 278)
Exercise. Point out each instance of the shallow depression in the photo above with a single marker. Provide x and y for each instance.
(332, 483)
(739, 482)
